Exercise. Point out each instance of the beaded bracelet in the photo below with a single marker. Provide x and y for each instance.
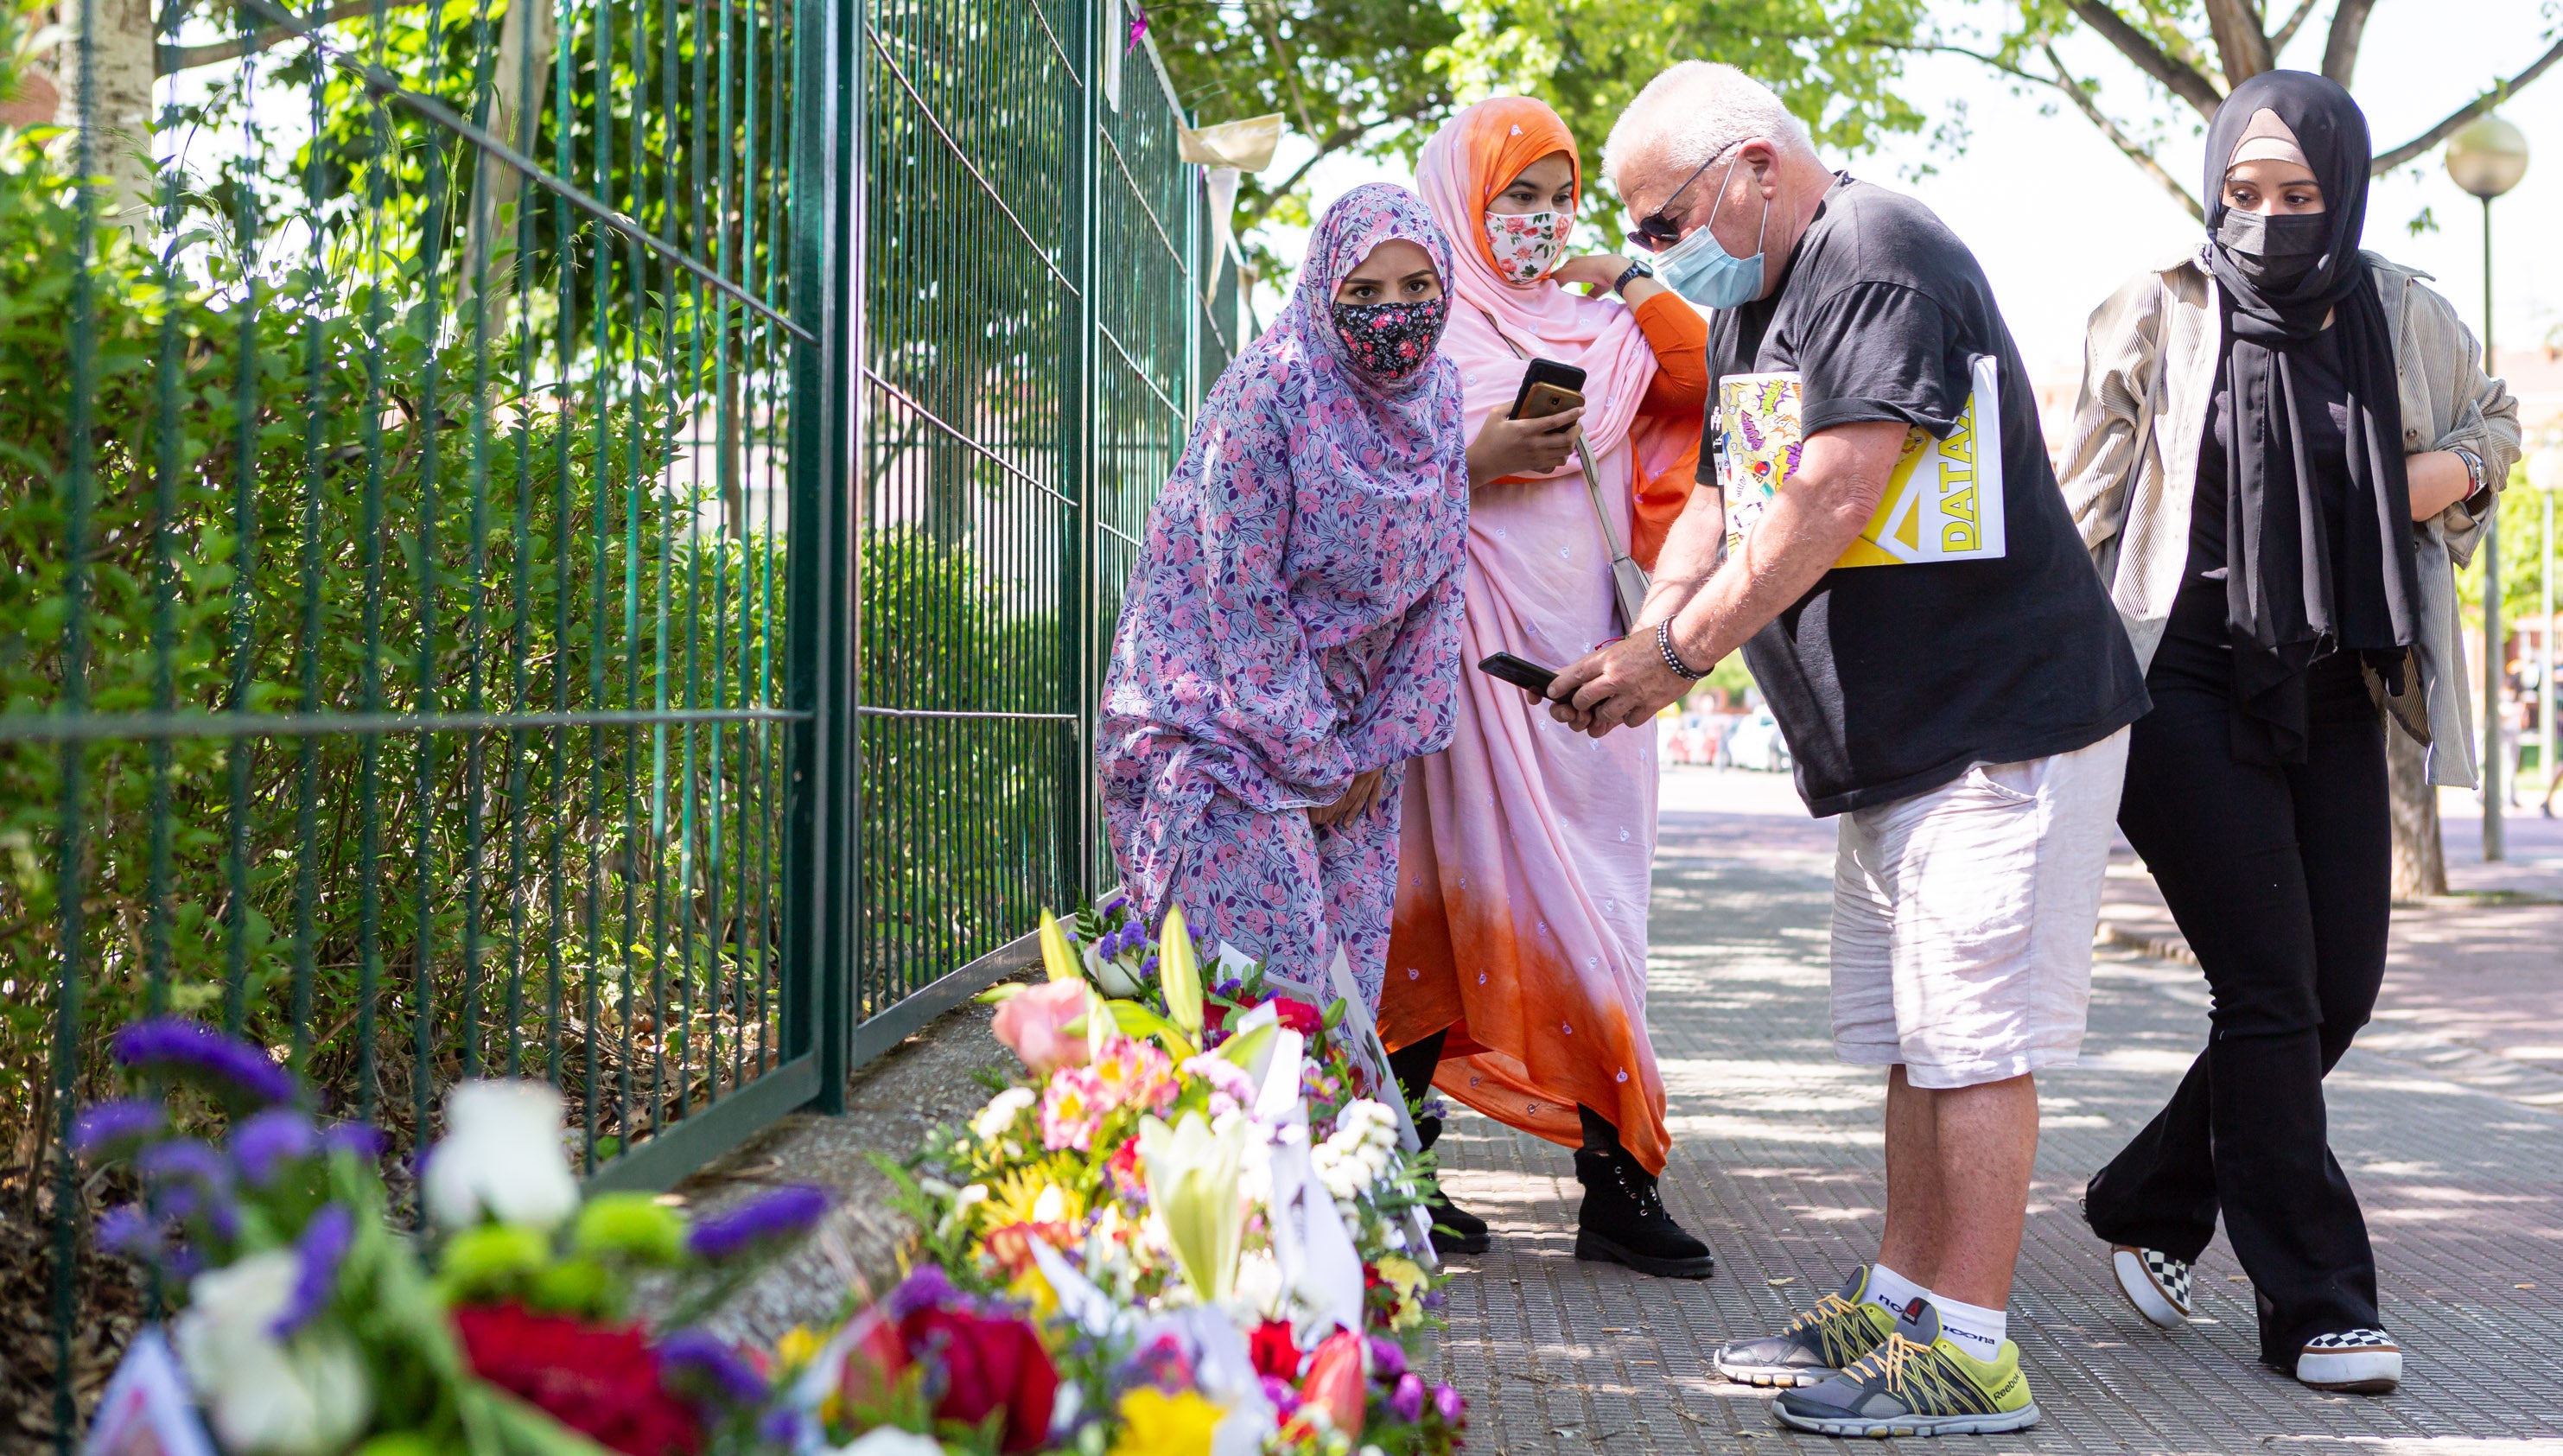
(1673, 659)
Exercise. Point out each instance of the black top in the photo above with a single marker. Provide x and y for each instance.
(2326, 442)
(1890, 681)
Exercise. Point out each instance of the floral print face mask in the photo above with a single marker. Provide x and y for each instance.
(1527, 245)
(1390, 342)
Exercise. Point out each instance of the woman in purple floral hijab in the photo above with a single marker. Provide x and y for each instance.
(1291, 634)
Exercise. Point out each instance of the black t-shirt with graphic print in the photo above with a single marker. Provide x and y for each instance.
(1890, 681)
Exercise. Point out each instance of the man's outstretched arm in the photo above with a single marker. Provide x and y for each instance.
(1842, 475)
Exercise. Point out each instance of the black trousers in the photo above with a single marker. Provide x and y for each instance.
(2281, 879)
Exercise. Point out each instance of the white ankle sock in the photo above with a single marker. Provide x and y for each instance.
(1891, 1291)
(1976, 1329)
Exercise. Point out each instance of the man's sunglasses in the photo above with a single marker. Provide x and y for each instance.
(1658, 231)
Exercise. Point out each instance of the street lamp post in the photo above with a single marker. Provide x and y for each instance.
(2486, 159)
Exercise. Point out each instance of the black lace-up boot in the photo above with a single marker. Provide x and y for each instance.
(1455, 1229)
(1624, 1220)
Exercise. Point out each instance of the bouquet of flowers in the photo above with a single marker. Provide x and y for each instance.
(307, 1326)
(1195, 1197)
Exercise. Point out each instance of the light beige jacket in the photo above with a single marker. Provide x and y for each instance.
(2131, 463)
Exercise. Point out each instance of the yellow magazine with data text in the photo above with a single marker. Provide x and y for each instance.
(1943, 502)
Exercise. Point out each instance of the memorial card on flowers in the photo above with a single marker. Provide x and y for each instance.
(1943, 502)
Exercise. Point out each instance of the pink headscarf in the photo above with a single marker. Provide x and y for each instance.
(1472, 159)
(1293, 615)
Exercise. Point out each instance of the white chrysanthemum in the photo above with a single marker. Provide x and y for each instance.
(1356, 1157)
(1001, 1111)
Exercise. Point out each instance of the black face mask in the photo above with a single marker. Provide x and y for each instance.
(2273, 252)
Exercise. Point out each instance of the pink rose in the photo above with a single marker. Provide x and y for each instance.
(1034, 1025)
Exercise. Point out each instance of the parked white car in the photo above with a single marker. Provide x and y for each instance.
(1756, 744)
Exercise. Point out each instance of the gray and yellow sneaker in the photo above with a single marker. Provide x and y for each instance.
(1917, 1383)
(1842, 1327)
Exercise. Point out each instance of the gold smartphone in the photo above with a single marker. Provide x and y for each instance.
(1543, 400)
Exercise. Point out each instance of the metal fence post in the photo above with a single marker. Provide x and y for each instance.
(1080, 675)
(819, 876)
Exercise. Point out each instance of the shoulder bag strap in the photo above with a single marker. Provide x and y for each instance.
(1629, 580)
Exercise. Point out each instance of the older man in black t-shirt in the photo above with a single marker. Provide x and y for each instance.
(1964, 711)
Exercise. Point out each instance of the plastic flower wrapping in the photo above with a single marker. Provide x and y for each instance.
(1188, 1227)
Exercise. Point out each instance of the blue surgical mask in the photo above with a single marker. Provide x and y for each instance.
(1700, 270)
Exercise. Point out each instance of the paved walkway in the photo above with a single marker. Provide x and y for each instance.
(1776, 1162)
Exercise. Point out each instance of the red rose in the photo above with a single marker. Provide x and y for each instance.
(601, 1380)
(988, 1364)
(1298, 1015)
(874, 1359)
(1273, 1351)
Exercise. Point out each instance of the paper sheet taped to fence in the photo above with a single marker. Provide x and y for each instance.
(1943, 502)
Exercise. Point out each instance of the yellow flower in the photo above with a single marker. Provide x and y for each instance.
(1154, 1423)
(1028, 1195)
(798, 1347)
(1408, 1278)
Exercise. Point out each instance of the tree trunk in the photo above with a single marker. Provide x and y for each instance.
(120, 114)
(524, 66)
(2419, 863)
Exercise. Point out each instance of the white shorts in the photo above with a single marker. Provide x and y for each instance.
(1963, 918)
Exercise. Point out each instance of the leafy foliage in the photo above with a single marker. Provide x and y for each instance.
(1374, 77)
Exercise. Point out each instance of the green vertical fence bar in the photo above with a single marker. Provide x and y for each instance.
(611, 588)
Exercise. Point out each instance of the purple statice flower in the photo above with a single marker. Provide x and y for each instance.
(695, 1362)
(1278, 1390)
(358, 1139)
(1434, 1299)
(1387, 1359)
(1228, 989)
(114, 1125)
(267, 1140)
(189, 1179)
(782, 1214)
(125, 1229)
(1407, 1400)
(323, 1247)
(182, 1047)
(1433, 1107)
(782, 1428)
(926, 1287)
(1447, 1401)
(183, 1262)
(1149, 965)
(1118, 900)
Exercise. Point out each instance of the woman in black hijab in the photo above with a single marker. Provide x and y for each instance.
(2277, 536)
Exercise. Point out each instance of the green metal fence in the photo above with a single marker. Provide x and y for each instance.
(572, 541)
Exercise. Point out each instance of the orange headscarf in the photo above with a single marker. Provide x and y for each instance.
(1474, 156)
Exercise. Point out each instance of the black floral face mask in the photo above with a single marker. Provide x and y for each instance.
(1390, 342)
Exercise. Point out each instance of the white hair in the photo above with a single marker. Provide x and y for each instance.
(1695, 110)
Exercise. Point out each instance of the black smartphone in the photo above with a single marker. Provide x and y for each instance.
(1518, 672)
(1566, 378)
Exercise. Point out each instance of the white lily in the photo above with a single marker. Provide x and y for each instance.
(309, 1396)
(1192, 1174)
(502, 1157)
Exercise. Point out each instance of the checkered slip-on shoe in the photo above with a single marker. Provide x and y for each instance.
(2154, 1282)
(2353, 1362)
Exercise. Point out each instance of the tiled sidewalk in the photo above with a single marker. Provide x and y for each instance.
(1777, 1164)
